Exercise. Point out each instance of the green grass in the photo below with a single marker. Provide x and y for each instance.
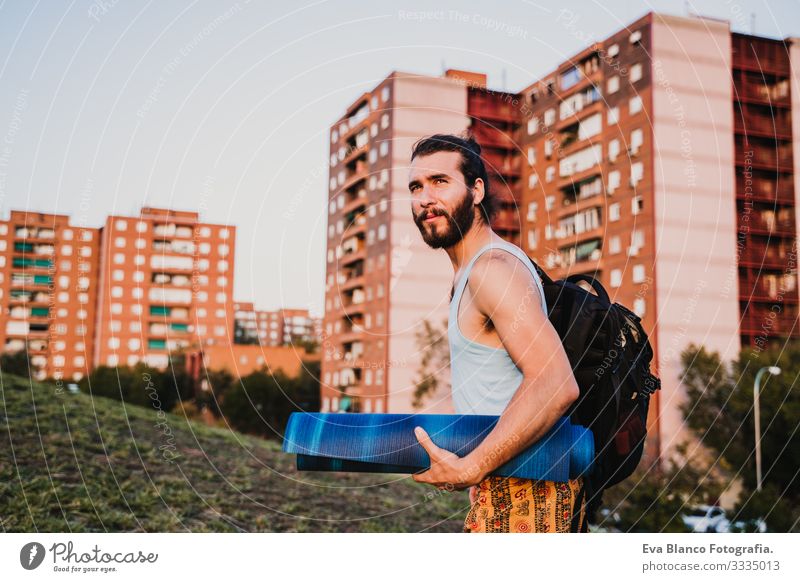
(73, 463)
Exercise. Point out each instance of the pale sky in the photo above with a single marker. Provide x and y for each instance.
(224, 107)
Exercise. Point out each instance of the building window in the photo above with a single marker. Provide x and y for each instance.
(531, 155)
(384, 121)
(119, 242)
(548, 148)
(636, 72)
(549, 202)
(533, 239)
(613, 85)
(639, 306)
(118, 275)
(614, 246)
(638, 273)
(637, 139)
(550, 174)
(613, 181)
(613, 212)
(637, 204)
(613, 50)
(635, 105)
(616, 278)
(533, 179)
(613, 115)
(533, 125)
(636, 37)
(549, 117)
(532, 208)
(637, 173)
(613, 150)
(384, 148)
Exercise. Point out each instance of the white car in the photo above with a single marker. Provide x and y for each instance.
(707, 519)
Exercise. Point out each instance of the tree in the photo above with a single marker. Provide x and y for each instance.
(261, 403)
(719, 409)
(17, 363)
(434, 350)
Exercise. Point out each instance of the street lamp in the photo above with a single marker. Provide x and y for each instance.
(774, 370)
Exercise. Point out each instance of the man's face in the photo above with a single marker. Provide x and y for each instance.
(441, 204)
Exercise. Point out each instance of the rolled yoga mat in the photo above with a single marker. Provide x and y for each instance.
(385, 443)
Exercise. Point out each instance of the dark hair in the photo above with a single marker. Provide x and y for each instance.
(471, 164)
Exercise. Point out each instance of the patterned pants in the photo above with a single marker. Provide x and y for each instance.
(523, 506)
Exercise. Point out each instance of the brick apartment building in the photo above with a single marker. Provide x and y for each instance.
(166, 283)
(663, 160)
(273, 328)
(48, 292)
(381, 278)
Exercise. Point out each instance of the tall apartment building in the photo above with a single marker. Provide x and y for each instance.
(165, 283)
(654, 165)
(382, 280)
(48, 287)
(663, 160)
(273, 328)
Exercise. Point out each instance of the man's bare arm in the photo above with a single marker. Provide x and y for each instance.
(503, 289)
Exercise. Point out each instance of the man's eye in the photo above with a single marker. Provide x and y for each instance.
(440, 180)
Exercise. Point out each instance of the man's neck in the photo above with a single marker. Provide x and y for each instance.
(478, 236)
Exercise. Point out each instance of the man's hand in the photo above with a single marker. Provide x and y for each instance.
(448, 470)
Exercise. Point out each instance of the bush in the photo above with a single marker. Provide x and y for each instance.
(261, 403)
(140, 385)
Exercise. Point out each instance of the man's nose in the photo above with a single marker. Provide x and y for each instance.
(425, 198)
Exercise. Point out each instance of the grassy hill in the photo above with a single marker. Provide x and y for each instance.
(70, 462)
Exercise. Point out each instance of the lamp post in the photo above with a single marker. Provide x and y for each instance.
(774, 370)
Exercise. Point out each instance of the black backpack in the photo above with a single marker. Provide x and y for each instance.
(610, 356)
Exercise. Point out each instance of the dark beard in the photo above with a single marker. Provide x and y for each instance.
(458, 224)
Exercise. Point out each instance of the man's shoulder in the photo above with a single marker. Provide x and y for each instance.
(500, 263)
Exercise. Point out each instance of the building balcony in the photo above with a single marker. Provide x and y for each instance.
(775, 127)
(351, 308)
(766, 190)
(770, 323)
(764, 256)
(775, 95)
(352, 257)
(577, 116)
(360, 173)
(359, 202)
(775, 227)
(352, 283)
(578, 177)
(355, 152)
(765, 158)
(761, 290)
(488, 136)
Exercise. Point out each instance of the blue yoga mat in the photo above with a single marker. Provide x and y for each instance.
(385, 443)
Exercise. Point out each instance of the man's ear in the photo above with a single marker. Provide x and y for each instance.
(478, 191)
